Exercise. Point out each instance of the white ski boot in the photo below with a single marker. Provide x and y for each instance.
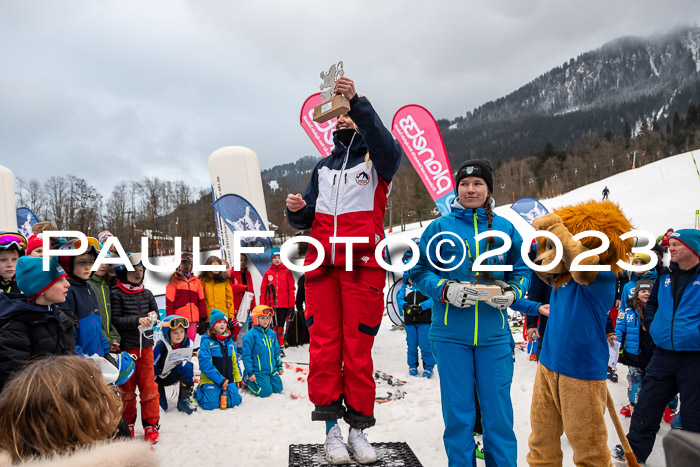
(361, 450)
(336, 453)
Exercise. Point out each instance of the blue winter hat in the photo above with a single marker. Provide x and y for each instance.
(216, 316)
(32, 280)
(274, 252)
(689, 238)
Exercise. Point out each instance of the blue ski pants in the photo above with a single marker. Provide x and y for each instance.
(265, 384)
(490, 368)
(417, 336)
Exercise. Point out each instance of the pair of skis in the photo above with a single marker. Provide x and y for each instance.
(379, 376)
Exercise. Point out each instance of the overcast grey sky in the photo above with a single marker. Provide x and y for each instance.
(118, 90)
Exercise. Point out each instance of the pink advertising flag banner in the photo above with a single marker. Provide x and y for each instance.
(419, 136)
(321, 134)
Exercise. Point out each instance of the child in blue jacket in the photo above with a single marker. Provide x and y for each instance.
(640, 259)
(174, 337)
(218, 364)
(81, 301)
(261, 354)
(417, 309)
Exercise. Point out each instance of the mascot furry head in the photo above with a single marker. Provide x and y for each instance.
(602, 216)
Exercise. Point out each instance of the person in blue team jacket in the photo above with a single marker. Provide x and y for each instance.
(218, 364)
(261, 355)
(471, 339)
(672, 315)
(417, 310)
(81, 301)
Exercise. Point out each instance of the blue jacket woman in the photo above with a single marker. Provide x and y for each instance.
(261, 356)
(471, 339)
(217, 363)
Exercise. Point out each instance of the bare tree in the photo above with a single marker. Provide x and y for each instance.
(56, 190)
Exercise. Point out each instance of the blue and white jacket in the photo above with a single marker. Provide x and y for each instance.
(673, 316)
(480, 324)
(628, 327)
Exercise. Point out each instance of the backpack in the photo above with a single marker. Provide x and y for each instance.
(297, 333)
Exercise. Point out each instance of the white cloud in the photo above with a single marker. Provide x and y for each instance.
(151, 88)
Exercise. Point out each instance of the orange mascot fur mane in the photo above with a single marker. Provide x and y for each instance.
(602, 216)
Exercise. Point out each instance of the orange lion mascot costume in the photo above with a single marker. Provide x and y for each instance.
(570, 393)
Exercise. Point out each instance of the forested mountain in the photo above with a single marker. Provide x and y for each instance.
(623, 84)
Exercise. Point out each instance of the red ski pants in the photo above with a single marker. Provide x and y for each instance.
(144, 379)
(344, 310)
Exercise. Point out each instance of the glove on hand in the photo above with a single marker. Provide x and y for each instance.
(414, 309)
(459, 295)
(505, 300)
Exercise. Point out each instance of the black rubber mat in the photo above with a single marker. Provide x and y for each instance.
(388, 455)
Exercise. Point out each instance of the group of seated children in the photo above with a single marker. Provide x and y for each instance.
(59, 313)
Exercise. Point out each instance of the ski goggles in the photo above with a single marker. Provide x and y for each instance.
(266, 312)
(76, 243)
(186, 257)
(9, 240)
(175, 322)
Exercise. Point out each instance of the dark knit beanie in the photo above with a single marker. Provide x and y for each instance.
(643, 284)
(476, 168)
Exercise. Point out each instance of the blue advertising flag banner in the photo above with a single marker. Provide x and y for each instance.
(25, 220)
(237, 214)
(529, 209)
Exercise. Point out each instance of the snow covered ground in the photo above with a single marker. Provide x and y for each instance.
(259, 431)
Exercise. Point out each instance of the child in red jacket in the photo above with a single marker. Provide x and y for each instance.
(277, 291)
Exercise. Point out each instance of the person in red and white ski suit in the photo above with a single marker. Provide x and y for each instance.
(346, 197)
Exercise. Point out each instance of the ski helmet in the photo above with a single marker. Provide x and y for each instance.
(172, 322)
(261, 310)
(93, 246)
(120, 269)
(126, 367)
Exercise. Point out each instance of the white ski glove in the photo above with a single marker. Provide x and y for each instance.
(460, 295)
(505, 300)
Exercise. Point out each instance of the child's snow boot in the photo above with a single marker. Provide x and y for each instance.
(413, 371)
(185, 403)
(619, 453)
(427, 374)
(626, 411)
(151, 434)
(336, 452)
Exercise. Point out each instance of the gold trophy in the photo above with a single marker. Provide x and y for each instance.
(333, 105)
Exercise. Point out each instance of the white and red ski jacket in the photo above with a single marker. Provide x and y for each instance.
(346, 196)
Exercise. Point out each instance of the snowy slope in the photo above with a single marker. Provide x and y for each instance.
(260, 430)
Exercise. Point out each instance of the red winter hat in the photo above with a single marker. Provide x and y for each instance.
(34, 242)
